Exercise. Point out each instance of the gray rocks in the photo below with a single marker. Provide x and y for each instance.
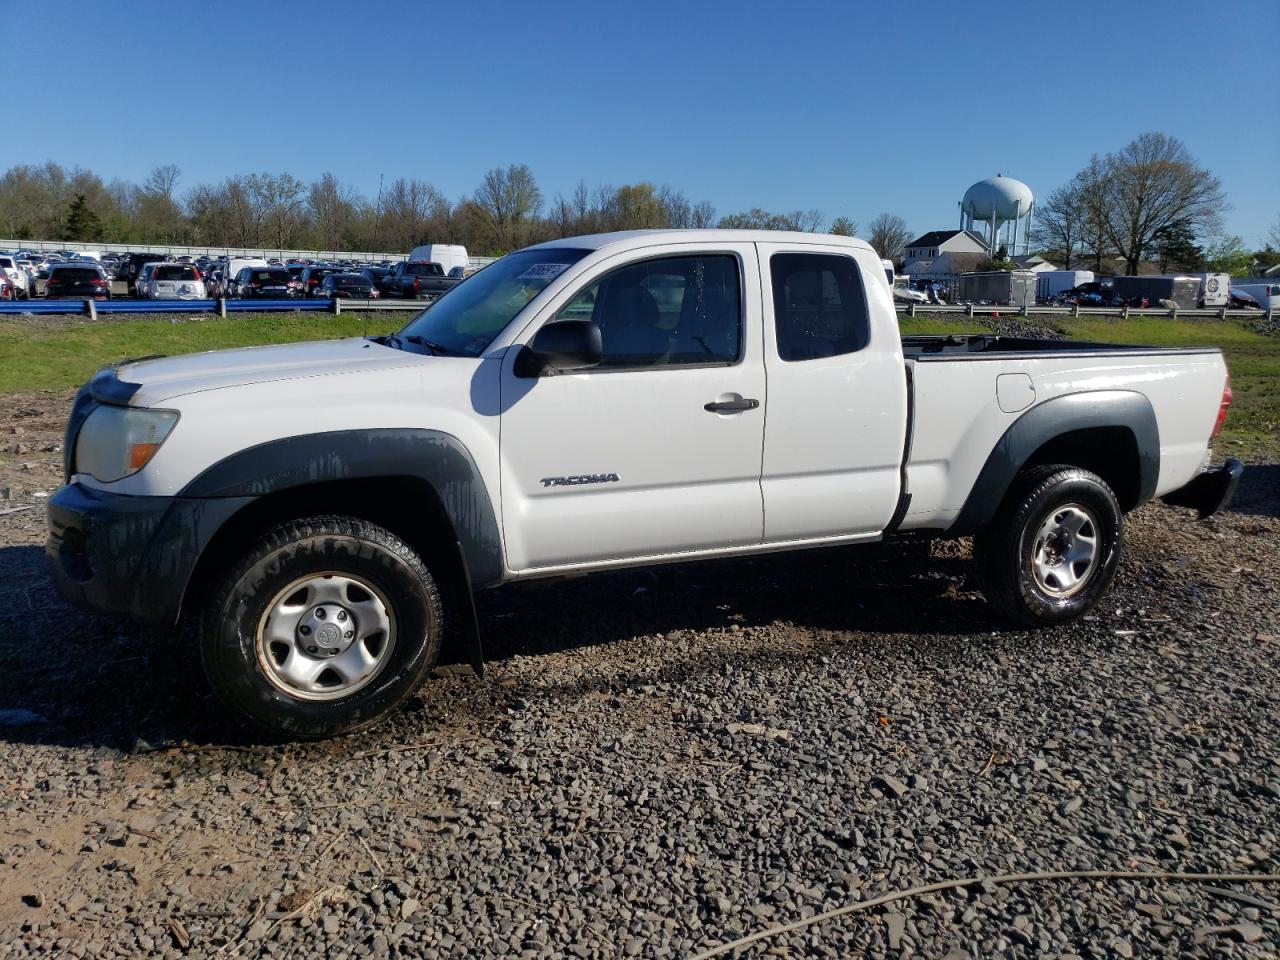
(650, 782)
(893, 785)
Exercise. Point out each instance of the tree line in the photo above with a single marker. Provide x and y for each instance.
(1148, 201)
(507, 210)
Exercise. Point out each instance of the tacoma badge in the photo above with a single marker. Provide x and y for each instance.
(583, 478)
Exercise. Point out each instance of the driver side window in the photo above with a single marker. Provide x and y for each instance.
(670, 311)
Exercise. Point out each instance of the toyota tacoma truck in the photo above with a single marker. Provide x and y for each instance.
(321, 510)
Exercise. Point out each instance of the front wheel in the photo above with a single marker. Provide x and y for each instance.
(1052, 549)
(326, 626)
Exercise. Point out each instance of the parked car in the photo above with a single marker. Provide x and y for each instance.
(309, 280)
(81, 278)
(1265, 292)
(272, 283)
(1094, 293)
(418, 279)
(376, 276)
(307, 501)
(18, 281)
(142, 283)
(129, 268)
(1238, 299)
(174, 281)
(347, 285)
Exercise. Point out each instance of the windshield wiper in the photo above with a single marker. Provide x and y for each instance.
(438, 349)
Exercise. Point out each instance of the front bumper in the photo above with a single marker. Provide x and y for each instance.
(1209, 492)
(130, 555)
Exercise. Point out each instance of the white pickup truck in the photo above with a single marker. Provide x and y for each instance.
(592, 403)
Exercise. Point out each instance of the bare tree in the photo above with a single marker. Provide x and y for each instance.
(677, 210)
(704, 215)
(1273, 236)
(162, 180)
(333, 211)
(635, 207)
(1150, 184)
(844, 227)
(889, 235)
(506, 201)
(807, 221)
(1060, 222)
(1090, 185)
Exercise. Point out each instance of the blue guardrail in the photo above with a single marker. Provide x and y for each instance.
(162, 306)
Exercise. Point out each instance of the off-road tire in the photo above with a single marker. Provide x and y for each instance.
(336, 544)
(1004, 550)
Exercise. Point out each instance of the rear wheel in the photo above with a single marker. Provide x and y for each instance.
(1052, 549)
(326, 626)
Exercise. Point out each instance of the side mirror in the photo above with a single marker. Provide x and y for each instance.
(565, 345)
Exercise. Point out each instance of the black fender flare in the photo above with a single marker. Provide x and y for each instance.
(438, 458)
(1049, 420)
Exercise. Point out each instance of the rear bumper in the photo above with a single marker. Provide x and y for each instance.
(130, 555)
(1211, 491)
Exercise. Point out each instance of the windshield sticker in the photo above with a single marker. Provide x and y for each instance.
(544, 271)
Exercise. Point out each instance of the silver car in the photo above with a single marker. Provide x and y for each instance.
(172, 281)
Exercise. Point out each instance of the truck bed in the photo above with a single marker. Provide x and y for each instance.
(988, 346)
(966, 391)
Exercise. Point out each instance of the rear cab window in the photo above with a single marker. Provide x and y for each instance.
(175, 273)
(819, 305)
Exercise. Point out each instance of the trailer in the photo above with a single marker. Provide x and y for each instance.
(1015, 288)
(1051, 283)
(1181, 291)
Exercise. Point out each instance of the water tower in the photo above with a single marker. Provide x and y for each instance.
(1000, 203)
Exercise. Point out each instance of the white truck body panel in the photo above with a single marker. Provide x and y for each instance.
(820, 460)
(832, 466)
(958, 424)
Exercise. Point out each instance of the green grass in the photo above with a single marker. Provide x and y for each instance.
(53, 354)
(1253, 358)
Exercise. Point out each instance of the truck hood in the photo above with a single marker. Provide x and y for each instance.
(168, 377)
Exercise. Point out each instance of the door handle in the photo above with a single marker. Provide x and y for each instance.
(729, 406)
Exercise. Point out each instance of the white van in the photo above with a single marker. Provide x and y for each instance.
(1214, 288)
(448, 255)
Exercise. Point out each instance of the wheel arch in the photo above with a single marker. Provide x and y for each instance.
(415, 483)
(1112, 433)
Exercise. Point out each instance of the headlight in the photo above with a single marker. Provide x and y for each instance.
(116, 442)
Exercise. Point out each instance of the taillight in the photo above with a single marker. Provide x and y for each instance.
(417, 283)
(1223, 407)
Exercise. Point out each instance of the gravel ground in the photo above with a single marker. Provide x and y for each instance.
(659, 762)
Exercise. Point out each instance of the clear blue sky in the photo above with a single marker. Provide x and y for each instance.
(851, 107)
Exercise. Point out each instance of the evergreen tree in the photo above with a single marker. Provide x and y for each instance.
(82, 223)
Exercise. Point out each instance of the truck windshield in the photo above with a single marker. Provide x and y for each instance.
(466, 319)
